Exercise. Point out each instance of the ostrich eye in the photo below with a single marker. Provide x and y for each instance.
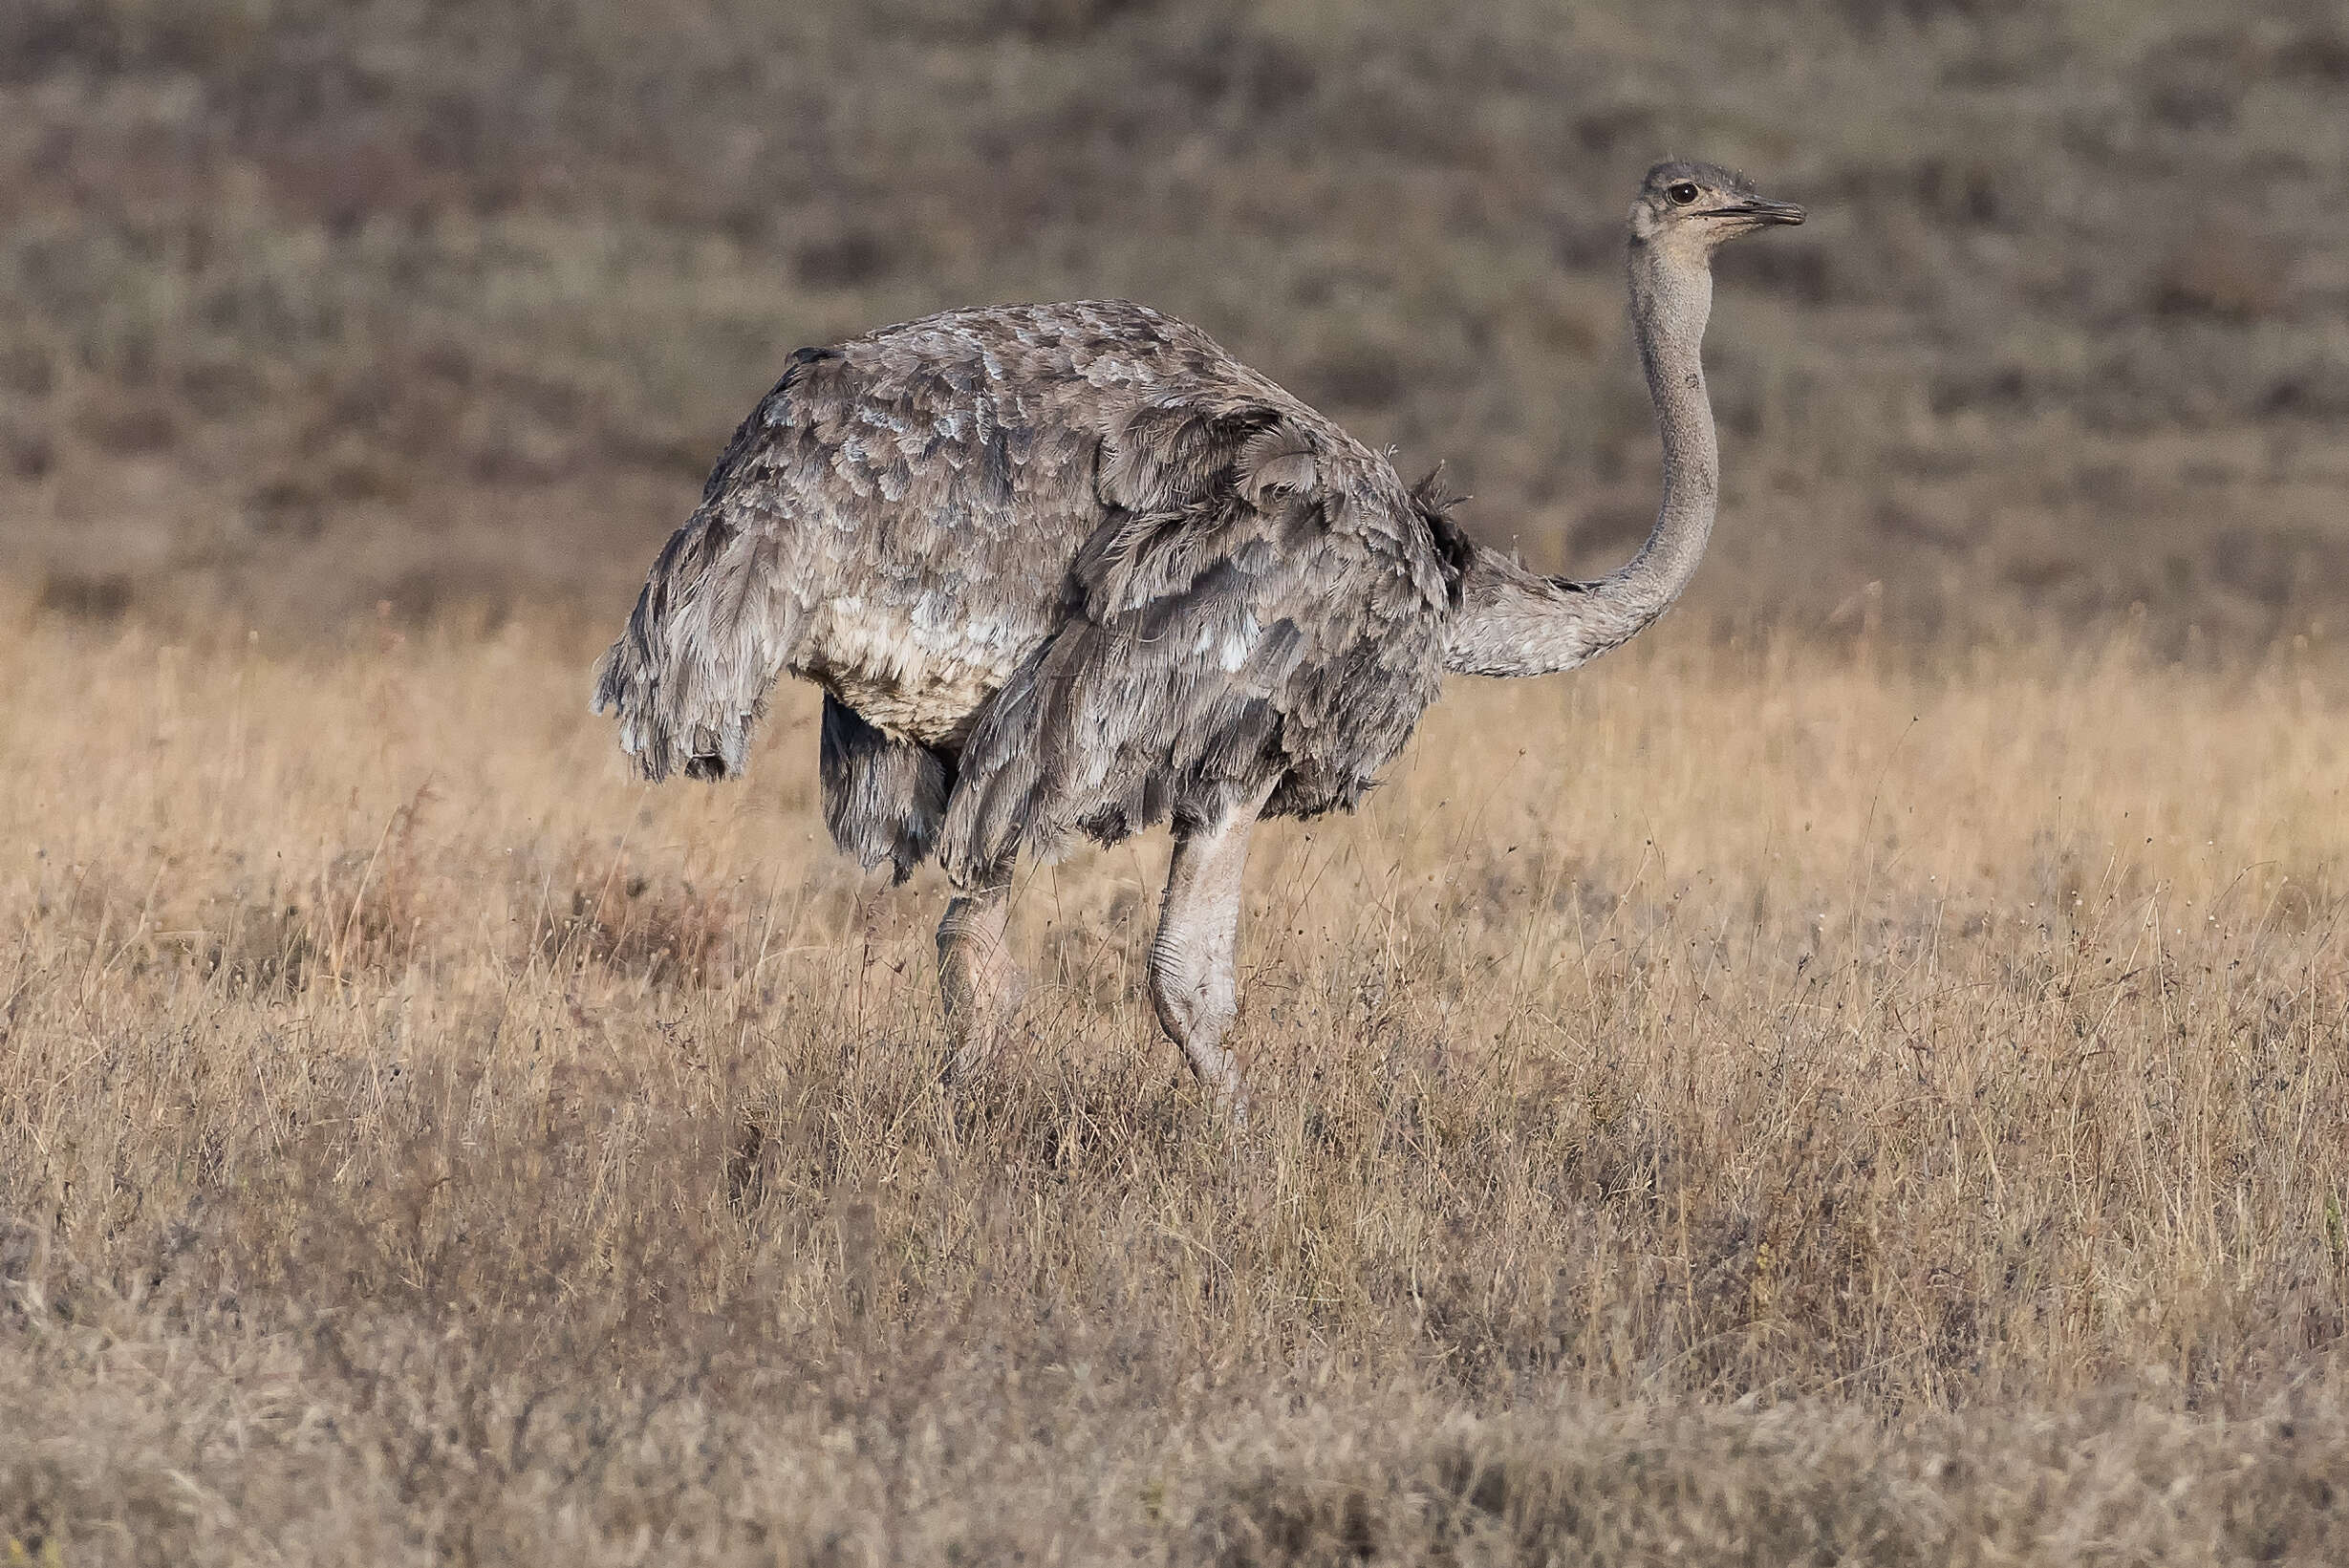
(1682, 192)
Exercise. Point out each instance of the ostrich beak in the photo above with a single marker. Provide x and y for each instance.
(1758, 210)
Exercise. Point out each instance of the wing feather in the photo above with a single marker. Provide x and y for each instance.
(1240, 621)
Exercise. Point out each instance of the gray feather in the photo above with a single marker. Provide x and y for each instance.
(1071, 569)
(884, 799)
(1072, 564)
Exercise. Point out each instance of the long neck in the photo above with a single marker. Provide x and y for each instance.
(1513, 622)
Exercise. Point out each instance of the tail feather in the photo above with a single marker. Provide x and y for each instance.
(884, 796)
(712, 630)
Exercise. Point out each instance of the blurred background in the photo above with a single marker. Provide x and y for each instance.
(314, 309)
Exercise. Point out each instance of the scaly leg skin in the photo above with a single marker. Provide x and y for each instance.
(977, 980)
(1191, 978)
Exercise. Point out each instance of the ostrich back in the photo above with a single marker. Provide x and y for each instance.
(1058, 568)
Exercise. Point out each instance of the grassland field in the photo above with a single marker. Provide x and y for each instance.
(1857, 1077)
(1747, 1101)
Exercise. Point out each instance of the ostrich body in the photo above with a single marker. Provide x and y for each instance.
(1072, 570)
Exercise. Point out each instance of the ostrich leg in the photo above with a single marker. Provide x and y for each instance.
(1191, 981)
(977, 980)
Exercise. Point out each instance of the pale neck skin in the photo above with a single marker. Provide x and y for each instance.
(1513, 622)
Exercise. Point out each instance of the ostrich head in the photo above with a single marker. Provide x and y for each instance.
(1688, 208)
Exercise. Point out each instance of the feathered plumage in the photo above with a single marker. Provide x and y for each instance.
(1062, 569)
(1072, 570)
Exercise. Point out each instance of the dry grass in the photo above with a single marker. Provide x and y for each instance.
(1751, 1103)
(1870, 1091)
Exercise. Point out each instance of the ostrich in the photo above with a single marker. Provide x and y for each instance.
(1072, 570)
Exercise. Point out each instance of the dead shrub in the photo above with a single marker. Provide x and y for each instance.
(2223, 274)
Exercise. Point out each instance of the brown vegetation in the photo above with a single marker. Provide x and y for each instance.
(1857, 1078)
(1751, 1103)
(307, 304)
